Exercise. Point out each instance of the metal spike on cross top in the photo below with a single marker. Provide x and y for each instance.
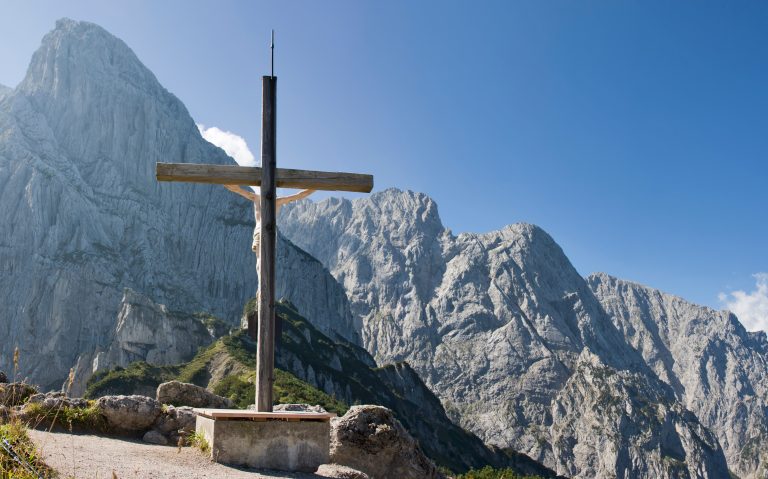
(268, 177)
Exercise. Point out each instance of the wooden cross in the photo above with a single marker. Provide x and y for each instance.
(268, 177)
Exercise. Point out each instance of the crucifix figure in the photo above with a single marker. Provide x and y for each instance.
(256, 199)
(268, 178)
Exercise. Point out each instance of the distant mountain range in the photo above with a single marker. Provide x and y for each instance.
(100, 265)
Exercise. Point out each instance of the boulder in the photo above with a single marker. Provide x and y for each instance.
(3, 377)
(57, 400)
(174, 422)
(15, 394)
(340, 472)
(185, 394)
(155, 437)
(369, 439)
(129, 413)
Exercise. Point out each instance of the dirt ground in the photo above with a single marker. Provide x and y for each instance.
(95, 457)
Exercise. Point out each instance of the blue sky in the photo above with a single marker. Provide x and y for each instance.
(635, 133)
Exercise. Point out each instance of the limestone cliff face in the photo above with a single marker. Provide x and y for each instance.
(83, 217)
(498, 325)
(717, 368)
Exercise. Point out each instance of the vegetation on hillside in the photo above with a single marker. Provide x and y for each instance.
(239, 387)
(491, 473)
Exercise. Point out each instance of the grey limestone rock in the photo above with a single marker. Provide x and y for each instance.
(57, 400)
(494, 324)
(609, 423)
(717, 369)
(129, 413)
(184, 394)
(371, 440)
(175, 421)
(340, 472)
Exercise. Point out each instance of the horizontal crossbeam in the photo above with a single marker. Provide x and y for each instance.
(251, 175)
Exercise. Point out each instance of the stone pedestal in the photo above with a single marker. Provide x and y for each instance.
(285, 441)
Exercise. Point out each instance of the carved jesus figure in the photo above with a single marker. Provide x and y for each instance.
(256, 199)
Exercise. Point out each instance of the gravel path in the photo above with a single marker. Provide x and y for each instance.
(95, 457)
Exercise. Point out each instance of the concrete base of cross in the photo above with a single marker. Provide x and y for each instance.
(284, 441)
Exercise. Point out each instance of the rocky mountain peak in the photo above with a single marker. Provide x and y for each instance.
(106, 111)
(76, 56)
(84, 217)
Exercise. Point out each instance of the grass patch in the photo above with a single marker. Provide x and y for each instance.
(491, 473)
(19, 458)
(199, 441)
(89, 418)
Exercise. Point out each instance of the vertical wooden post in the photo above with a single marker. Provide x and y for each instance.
(265, 349)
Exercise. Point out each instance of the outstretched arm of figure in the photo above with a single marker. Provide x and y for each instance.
(245, 194)
(298, 196)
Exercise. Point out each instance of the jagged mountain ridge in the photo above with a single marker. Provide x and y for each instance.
(498, 325)
(84, 218)
(717, 368)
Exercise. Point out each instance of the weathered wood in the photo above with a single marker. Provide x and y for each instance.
(265, 348)
(251, 175)
(255, 415)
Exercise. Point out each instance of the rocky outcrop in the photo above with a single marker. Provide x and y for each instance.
(129, 413)
(149, 332)
(717, 369)
(172, 424)
(371, 440)
(57, 400)
(185, 394)
(625, 423)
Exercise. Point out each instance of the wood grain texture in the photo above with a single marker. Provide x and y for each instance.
(265, 347)
(240, 414)
(251, 175)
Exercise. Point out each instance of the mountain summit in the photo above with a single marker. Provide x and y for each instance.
(84, 219)
(528, 355)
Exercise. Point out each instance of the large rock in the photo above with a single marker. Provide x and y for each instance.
(371, 440)
(175, 422)
(129, 413)
(57, 400)
(340, 472)
(185, 394)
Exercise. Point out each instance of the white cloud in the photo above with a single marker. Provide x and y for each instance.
(751, 308)
(234, 145)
